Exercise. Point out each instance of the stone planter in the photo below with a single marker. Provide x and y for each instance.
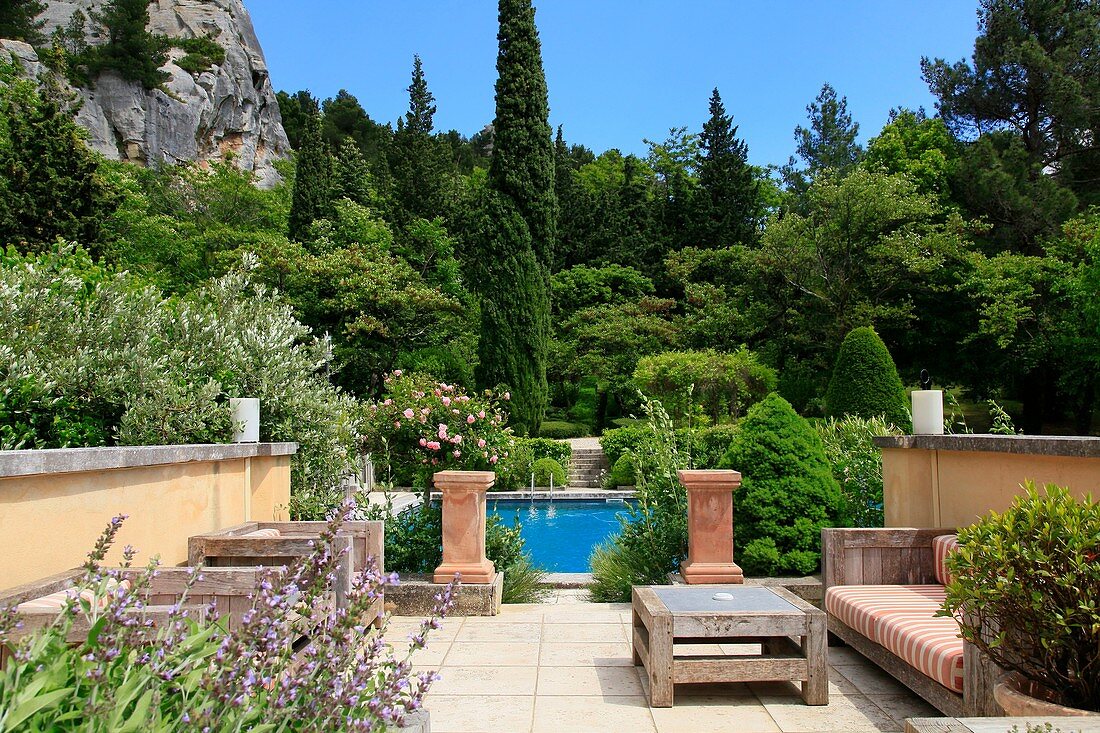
(1014, 694)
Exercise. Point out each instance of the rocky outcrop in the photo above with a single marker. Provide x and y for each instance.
(227, 110)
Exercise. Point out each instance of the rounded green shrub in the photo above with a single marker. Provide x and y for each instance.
(559, 430)
(623, 472)
(547, 468)
(865, 382)
(787, 492)
(620, 440)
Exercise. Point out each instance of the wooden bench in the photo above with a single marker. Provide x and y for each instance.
(282, 543)
(902, 557)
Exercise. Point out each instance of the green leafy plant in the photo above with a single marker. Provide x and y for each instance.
(202, 53)
(1025, 592)
(865, 382)
(857, 464)
(652, 540)
(545, 469)
(560, 430)
(724, 385)
(787, 492)
(620, 440)
(709, 445)
(622, 473)
(1002, 422)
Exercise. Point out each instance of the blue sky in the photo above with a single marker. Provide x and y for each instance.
(620, 71)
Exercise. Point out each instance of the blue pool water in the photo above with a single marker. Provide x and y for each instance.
(560, 536)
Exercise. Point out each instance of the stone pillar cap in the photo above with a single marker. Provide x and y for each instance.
(723, 480)
(465, 479)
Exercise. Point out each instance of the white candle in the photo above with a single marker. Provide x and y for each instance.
(246, 419)
(928, 412)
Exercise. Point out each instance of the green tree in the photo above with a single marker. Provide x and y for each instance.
(345, 117)
(419, 162)
(19, 21)
(728, 207)
(787, 493)
(351, 176)
(50, 183)
(312, 196)
(523, 156)
(131, 50)
(515, 226)
(295, 110)
(923, 148)
(829, 143)
(865, 382)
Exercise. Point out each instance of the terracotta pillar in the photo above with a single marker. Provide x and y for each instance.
(464, 526)
(710, 527)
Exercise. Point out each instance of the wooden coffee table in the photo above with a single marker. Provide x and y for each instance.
(791, 633)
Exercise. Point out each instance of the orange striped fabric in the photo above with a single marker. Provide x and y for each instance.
(902, 619)
(943, 546)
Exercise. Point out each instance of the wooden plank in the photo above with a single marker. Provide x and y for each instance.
(739, 669)
(946, 701)
(258, 546)
(1083, 724)
(891, 537)
(853, 567)
(832, 557)
(980, 676)
(645, 603)
(660, 666)
(640, 646)
(29, 591)
(815, 690)
(935, 725)
(732, 625)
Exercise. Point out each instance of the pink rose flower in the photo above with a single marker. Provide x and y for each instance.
(507, 395)
(481, 443)
(481, 414)
(442, 432)
(423, 442)
(388, 402)
(447, 401)
(457, 453)
(433, 445)
(397, 372)
(408, 413)
(397, 426)
(493, 459)
(457, 439)
(424, 410)
(470, 419)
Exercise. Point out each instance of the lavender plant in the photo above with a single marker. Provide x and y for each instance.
(192, 673)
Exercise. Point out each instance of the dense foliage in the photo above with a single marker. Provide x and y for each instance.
(722, 386)
(100, 668)
(865, 382)
(787, 492)
(1024, 592)
(652, 540)
(857, 465)
(548, 472)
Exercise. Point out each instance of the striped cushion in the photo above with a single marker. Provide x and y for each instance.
(931, 645)
(864, 607)
(943, 546)
(269, 532)
(54, 601)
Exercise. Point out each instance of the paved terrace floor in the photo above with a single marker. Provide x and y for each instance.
(565, 666)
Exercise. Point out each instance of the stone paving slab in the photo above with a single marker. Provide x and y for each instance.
(565, 668)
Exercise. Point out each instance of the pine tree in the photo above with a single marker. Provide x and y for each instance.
(50, 185)
(18, 20)
(418, 161)
(828, 143)
(312, 195)
(523, 157)
(728, 206)
(518, 221)
(131, 50)
(351, 176)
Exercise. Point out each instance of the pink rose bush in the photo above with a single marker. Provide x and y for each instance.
(429, 425)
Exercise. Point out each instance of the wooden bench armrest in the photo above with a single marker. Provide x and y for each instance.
(887, 556)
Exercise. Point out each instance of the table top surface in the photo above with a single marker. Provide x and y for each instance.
(745, 599)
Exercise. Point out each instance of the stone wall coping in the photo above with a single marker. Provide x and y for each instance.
(715, 480)
(74, 460)
(1077, 446)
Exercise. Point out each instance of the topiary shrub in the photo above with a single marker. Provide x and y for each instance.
(562, 430)
(787, 492)
(547, 468)
(622, 473)
(865, 382)
(1024, 591)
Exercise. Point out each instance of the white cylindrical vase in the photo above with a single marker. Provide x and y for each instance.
(928, 412)
(246, 419)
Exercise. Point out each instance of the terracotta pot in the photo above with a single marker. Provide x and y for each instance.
(1019, 699)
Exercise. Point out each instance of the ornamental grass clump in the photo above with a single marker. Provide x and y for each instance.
(188, 673)
(1026, 591)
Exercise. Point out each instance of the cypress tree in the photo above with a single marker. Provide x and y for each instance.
(351, 176)
(729, 204)
(522, 167)
(518, 221)
(312, 195)
(50, 185)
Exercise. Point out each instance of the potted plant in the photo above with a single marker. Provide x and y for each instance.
(1027, 593)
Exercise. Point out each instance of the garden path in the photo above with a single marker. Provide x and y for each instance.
(565, 668)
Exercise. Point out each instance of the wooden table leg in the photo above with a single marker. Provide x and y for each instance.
(815, 690)
(637, 626)
(660, 661)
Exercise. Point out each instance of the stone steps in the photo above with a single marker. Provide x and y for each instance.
(587, 467)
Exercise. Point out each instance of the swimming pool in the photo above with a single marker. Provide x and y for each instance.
(560, 535)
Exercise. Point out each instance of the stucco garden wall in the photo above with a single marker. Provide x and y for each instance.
(54, 503)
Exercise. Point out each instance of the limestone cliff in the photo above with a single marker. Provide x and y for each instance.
(227, 108)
